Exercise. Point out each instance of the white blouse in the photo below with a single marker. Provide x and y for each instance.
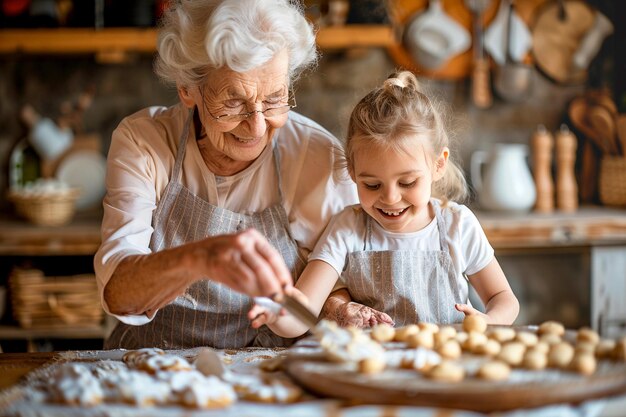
(141, 160)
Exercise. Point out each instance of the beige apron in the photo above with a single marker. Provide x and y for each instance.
(409, 285)
(208, 314)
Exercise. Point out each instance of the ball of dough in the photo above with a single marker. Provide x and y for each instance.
(501, 334)
(585, 334)
(527, 338)
(494, 371)
(371, 366)
(512, 353)
(474, 340)
(423, 339)
(584, 363)
(560, 355)
(383, 333)
(535, 359)
(474, 323)
(429, 327)
(490, 348)
(551, 327)
(604, 348)
(450, 349)
(402, 333)
(446, 371)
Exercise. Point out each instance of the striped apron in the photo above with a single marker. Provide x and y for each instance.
(409, 285)
(208, 313)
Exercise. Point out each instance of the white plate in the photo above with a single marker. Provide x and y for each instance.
(85, 170)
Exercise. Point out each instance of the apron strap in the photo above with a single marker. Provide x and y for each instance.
(441, 226)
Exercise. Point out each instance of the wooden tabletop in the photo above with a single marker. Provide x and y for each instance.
(14, 366)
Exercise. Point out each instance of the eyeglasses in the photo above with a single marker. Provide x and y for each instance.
(269, 111)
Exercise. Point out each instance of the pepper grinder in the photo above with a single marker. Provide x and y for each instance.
(566, 187)
(541, 144)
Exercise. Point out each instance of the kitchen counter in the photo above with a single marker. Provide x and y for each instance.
(14, 366)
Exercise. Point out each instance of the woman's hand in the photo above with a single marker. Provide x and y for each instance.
(244, 261)
(358, 315)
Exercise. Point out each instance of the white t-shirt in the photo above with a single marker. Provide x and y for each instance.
(468, 246)
(141, 159)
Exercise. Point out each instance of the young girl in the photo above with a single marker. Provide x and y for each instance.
(406, 250)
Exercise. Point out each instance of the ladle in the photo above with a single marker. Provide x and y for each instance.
(513, 79)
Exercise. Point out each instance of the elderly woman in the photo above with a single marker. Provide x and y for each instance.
(222, 194)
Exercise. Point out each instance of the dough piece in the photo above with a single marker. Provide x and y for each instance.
(560, 355)
(494, 371)
(461, 337)
(542, 347)
(585, 347)
(138, 388)
(512, 353)
(474, 340)
(450, 349)
(420, 359)
(211, 393)
(75, 384)
(604, 349)
(423, 339)
(585, 334)
(446, 371)
(584, 363)
(428, 327)
(402, 333)
(134, 357)
(501, 334)
(550, 338)
(272, 391)
(346, 345)
(444, 334)
(535, 359)
(619, 351)
(551, 327)
(371, 366)
(490, 348)
(474, 323)
(383, 333)
(527, 338)
(166, 362)
(274, 364)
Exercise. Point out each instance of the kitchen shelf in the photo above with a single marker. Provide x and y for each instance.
(143, 40)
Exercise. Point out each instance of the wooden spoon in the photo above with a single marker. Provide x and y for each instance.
(621, 132)
(603, 124)
(577, 112)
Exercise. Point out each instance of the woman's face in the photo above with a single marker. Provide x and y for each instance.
(230, 147)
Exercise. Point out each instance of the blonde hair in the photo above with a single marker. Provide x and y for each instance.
(396, 113)
(197, 36)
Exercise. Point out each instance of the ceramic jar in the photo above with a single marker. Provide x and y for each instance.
(503, 179)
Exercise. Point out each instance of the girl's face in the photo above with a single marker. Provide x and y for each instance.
(395, 186)
(232, 146)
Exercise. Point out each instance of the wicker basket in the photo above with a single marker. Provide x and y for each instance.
(49, 209)
(40, 301)
(613, 181)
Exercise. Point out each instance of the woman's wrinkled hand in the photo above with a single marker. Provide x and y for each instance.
(244, 261)
(358, 315)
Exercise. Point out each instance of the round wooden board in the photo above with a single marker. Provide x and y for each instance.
(524, 388)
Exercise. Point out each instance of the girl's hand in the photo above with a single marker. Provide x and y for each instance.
(358, 315)
(260, 314)
(470, 311)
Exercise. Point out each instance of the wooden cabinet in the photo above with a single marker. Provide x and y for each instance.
(65, 250)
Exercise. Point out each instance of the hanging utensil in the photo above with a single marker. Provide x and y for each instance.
(513, 79)
(481, 75)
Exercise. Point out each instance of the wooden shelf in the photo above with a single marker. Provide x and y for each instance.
(68, 332)
(123, 40)
(20, 238)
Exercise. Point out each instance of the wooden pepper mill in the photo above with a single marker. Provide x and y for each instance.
(541, 144)
(566, 187)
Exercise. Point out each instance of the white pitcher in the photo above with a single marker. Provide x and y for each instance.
(506, 182)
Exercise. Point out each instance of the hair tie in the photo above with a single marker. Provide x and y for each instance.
(395, 81)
